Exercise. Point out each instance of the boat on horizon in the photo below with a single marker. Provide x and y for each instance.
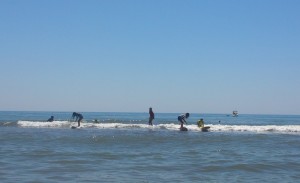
(235, 113)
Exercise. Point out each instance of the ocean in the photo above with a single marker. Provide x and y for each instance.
(122, 147)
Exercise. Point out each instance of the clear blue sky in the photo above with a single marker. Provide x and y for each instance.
(211, 56)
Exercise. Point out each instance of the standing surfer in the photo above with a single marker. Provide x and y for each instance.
(151, 117)
(182, 119)
(78, 117)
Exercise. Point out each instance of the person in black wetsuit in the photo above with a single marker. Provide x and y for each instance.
(51, 119)
(78, 117)
(151, 118)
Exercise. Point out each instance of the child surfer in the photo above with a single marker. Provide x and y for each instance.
(200, 123)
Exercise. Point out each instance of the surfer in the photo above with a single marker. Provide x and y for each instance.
(51, 119)
(200, 123)
(151, 117)
(78, 117)
(182, 119)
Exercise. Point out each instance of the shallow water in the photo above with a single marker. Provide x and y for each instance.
(122, 148)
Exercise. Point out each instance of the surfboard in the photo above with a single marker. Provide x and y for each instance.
(75, 127)
(183, 129)
(205, 129)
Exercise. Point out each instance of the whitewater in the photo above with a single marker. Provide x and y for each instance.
(285, 129)
(122, 147)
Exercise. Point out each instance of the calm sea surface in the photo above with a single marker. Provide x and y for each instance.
(123, 148)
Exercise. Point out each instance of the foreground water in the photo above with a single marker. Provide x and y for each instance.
(123, 148)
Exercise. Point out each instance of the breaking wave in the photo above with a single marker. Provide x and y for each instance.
(287, 129)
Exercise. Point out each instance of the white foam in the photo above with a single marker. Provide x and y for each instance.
(132, 126)
(257, 129)
(40, 124)
(171, 126)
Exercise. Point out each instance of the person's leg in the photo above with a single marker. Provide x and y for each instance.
(150, 121)
(79, 120)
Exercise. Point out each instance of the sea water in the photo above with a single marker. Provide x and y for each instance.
(122, 147)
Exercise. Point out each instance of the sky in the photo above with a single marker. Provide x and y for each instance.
(197, 56)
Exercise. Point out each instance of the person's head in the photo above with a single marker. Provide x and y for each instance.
(150, 109)
(52, 116)
(187, 115)
(74, 114)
